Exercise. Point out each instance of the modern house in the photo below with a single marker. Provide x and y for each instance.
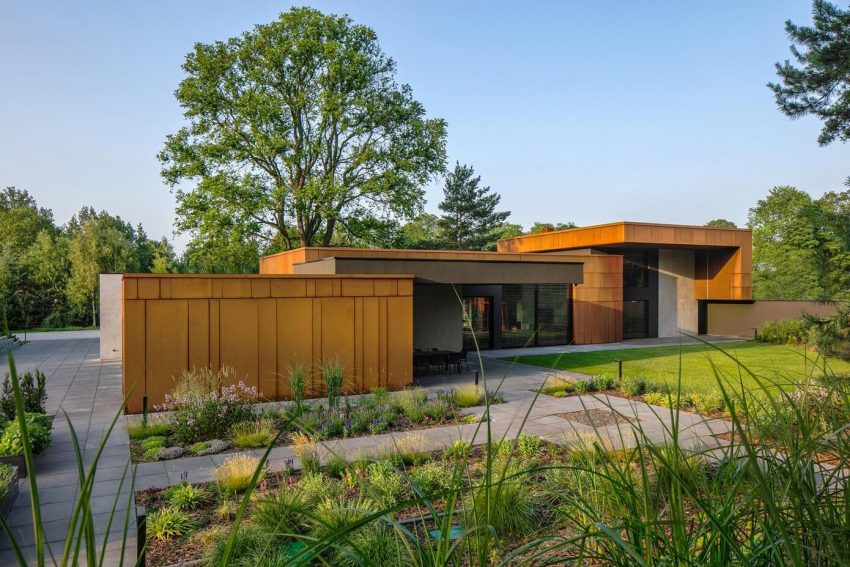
(374, 308)
(596, 284)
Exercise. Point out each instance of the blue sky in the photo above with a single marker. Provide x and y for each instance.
(574, 111)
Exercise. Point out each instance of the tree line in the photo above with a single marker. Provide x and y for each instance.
(49, 273)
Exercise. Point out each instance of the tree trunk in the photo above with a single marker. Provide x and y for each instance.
(93, 313)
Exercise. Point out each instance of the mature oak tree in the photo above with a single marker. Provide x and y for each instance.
(296, 130)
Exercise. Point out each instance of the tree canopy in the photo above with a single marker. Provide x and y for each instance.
(720, 223)
(470, 220)
(818, 80)
(801, 245)
(298, 131)
(49, 274)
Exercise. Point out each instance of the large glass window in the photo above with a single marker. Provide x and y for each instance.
(553, 314)
(518, 315)
(635, 319)
(535, 315)
(636, 268)
(477, 322)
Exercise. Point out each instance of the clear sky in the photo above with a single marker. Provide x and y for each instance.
(574, 111)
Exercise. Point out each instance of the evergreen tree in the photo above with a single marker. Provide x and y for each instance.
(818, 84)
(470, 220)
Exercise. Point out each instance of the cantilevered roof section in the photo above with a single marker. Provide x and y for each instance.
(626, 234)
(430, 266)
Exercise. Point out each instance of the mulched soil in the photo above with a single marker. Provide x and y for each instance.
(597, 417)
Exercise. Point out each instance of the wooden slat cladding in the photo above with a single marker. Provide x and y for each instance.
(261, 326)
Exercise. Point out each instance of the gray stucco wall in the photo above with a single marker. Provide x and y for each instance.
(437, 317)
(110, 316)
(677, 308)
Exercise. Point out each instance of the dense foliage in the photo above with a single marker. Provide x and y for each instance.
(49, 273)
(801, 245)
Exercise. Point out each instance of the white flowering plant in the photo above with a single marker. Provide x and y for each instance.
(201, 416)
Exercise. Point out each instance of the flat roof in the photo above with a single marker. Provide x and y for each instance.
(625, 234)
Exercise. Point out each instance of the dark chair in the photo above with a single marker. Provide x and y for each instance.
(457, 360)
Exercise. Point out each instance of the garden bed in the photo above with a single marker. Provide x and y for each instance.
(229, 421)
(194, 518)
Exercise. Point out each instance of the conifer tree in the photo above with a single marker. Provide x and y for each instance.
(470, 220)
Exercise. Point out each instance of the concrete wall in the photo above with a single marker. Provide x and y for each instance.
(739, 319)
(437, 317)
(110, 316)
(677, 307)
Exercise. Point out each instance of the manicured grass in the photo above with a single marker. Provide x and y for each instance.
(700, 363)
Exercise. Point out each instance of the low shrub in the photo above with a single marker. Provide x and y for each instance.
(385, 485)
(460, 449)
(141, 431)
(186, 496)
(529, 445)
(468, 395)
(316, 486)
(336, 467)
(307, 451)
(169, 522)
(205, 407)
(507, 506)
(334, 515)
(373, 544)
(253, 433)
(235, 473)
(39, 427)
(602, 383)
(583, 386)
(787, 331)
(631, 385)
(154, 442)
(433, 478)
(196, 448)
(249, 546)
(657, 399)
(33, 391)
(380, 395)
(708, 402)
(281, 512)
(7, 478)
(152, 454)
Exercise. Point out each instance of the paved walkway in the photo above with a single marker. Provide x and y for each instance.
(89, 391)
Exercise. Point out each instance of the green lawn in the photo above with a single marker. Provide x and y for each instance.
(700, 363)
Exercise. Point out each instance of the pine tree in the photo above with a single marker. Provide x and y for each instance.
(470, 220)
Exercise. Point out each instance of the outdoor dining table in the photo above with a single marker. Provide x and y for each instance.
(433, 356)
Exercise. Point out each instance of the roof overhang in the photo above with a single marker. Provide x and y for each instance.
(452, 271)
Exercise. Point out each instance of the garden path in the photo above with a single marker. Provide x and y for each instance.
(89, 392)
